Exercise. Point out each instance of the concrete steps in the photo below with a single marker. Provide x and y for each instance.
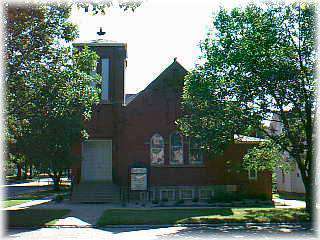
(96, 192)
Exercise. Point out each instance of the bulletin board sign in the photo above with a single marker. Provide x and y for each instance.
(139, 178)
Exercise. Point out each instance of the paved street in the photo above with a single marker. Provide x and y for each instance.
(15, 189)
(252, 231)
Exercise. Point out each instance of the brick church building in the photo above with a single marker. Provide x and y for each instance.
(135, 151)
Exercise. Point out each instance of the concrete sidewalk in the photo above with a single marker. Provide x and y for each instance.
(87, 214)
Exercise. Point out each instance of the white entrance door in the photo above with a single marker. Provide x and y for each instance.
(96, 160)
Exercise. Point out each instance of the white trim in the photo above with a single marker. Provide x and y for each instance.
(180, 193)
(82, 156)
(255, 174)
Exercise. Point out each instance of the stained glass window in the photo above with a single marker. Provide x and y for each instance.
(195, 152)
(157, 149)
(176, 153)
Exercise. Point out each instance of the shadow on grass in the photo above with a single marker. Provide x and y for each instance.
(32, 218)
(158, 216)
(274, 215)
(39, 193)
(292, 196)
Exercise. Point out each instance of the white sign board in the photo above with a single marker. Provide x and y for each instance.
(138, 179)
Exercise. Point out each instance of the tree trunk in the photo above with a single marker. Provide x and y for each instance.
(30, 171)
(19, 171)
(25, 175)
(56, 183)
(310, 183)
(308, 198)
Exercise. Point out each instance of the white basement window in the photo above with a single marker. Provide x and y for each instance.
(205, 194)
(186, 194)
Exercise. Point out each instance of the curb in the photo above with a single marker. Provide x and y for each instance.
(166, 225)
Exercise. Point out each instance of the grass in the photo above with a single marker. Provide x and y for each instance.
(216, 215)
(34, 217)
(14, 202)
(40, 194)
(27, 197)
(289, 196)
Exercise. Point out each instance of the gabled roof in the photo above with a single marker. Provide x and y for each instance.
(164, 77)
(167, 74)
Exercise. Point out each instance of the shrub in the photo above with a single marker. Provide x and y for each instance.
(164, 200)
(59, 198)
(155, 201)
(180, 201)
(195, 199)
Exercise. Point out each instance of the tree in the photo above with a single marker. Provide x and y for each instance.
(258, 62)
(49, 87)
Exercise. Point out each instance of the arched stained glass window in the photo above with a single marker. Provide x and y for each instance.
(195, 152)
(176, 151)
(157, 149)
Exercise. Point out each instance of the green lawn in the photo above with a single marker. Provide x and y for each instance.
(32, 196)
(41, 194)
(221, 215)
(289, 196)
(34, 217)
(14, 202)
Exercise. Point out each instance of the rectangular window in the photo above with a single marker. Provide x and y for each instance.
(195, 152)
(205, 194)
(186, 194)
(167, 194)
(231, 188)
(105, 79)
(253, 175)
(152, 195)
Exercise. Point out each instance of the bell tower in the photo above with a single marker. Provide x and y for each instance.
(111, 66)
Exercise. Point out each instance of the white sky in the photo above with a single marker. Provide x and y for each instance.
(156, 32)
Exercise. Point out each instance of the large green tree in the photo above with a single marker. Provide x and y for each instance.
(49, 86)
(258, 66)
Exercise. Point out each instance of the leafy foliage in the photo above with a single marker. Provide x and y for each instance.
(102, 6)
(258, 66)
(49, 86)
(266, 156)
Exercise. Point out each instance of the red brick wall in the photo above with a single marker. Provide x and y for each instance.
(155, 110)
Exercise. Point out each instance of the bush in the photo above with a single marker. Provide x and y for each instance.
(155, 201)
(59, 198)
(164, 200)
(211, 200)
(195, 199)
(180, 201)
(224, 197)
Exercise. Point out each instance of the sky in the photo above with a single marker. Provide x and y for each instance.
(155, 33)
